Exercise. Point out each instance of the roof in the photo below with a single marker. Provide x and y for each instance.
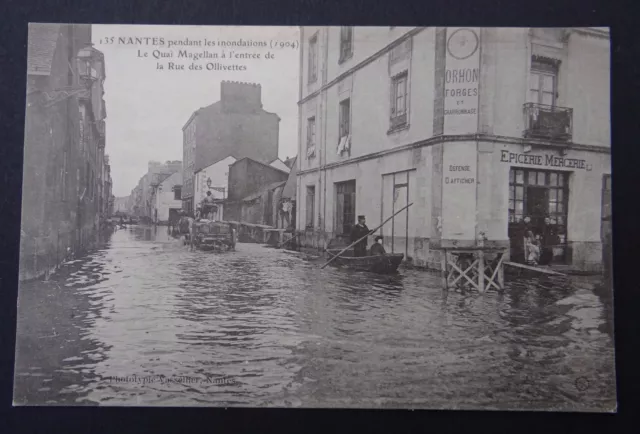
(279, 164)
(201, 164)
(289, 190)
(175, 178)
(259, 162)
(260, 192)
(43, 39)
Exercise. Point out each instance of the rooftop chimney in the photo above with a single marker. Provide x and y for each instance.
(239, 96)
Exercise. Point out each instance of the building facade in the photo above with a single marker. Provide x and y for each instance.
(213, 178)
(249, 178)
(64, 139)
(168, 199)
(476, 128)
(143, 196)
(235, 126)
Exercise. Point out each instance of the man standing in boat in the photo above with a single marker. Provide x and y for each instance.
(359, 231)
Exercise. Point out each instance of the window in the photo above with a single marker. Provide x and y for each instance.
(311, 201)
(313, 59)
(543, 82)
(538, 194)
(311, 132)
(399, 103)
(345, 207)
(346, 43)
(177, 193)
(345, 118)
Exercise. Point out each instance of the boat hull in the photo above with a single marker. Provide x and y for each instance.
(381, 264)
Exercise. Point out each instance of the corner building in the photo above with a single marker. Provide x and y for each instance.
(476, 127)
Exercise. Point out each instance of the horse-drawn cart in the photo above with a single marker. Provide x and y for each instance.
(213, 236)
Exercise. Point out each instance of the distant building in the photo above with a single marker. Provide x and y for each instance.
(121, 205)
(246, 178)
(168, 199)
(64, 147)
(143, 195)
(236, 126)
(213, 178)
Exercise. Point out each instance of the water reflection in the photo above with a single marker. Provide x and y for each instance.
(291, 334)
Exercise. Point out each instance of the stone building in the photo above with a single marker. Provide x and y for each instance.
(248, 180)
(144, 194)
(236, 126)
(168, 199)
(64, 142)
(478, 128)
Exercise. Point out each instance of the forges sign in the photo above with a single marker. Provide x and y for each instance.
(462, 76)
(542, 160)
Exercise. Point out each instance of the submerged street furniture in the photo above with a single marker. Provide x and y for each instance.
(480, 268)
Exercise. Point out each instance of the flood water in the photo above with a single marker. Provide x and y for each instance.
(144, 321)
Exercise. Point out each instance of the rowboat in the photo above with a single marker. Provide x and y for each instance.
(382, 264)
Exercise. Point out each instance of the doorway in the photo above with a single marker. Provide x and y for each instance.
(345, 208)
(540, 195)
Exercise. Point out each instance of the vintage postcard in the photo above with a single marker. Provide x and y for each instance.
(356, 217)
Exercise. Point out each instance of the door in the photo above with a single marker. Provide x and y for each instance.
(538, 194)
(345, 209)
(537, 207)
(396, 194)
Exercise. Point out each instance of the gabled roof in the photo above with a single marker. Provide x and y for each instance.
(289, 190)
(202, 164)
(259, 193)
(259, 162)
(43, 39)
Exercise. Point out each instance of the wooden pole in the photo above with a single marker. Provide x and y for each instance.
(362, 238)
(289, 240)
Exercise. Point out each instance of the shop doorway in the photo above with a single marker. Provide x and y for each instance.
(542, 196)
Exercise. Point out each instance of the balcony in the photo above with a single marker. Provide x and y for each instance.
(548, 122)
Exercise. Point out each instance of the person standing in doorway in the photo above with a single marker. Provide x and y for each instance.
(359, 231)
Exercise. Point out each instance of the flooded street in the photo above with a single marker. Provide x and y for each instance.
(144, 321)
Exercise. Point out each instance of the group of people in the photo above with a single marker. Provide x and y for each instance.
(536, 241)
(361, 230)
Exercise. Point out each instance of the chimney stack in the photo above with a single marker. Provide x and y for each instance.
(240, 96)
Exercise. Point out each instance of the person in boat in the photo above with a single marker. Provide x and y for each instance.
(359, 231)
(378, 249)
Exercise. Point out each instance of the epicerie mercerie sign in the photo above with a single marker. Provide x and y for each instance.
(462, 75)
(546, 160)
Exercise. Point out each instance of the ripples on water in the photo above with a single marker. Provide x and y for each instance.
(290, 334)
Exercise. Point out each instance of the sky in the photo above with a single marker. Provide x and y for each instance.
(147, 107)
